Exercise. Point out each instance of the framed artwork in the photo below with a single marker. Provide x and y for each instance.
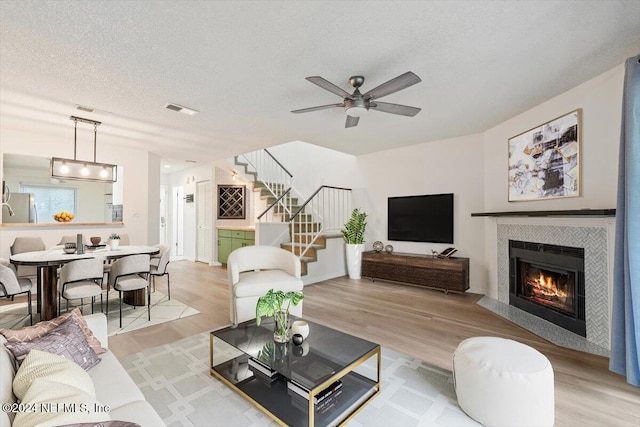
(544, 162)
(232, 201)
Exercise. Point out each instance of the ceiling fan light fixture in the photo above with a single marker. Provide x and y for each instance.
(357, 104)
(357, 111)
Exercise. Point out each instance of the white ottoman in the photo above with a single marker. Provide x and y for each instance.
(502, 382)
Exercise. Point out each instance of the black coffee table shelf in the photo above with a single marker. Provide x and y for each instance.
(324, 345)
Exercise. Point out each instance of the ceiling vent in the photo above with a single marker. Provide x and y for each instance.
(83, 108)
(181, 109)
(93, 110)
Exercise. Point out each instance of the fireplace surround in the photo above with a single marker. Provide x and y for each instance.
(548, 281)
(596, 236)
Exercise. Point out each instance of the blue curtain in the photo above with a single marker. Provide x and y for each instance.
(625, 324)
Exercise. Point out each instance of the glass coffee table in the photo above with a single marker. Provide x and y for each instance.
(277, 377)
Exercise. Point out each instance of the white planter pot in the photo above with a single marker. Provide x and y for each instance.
(113, 244)
(354, 260)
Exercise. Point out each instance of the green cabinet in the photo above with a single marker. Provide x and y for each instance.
(230, 240)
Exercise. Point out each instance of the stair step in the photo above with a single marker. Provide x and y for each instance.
(266, 185)
(306, 227)
(320, 242)
(244, 166)
(300, 219)
(298, 248)
(270, 199)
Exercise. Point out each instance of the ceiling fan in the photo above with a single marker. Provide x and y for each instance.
(357, 104)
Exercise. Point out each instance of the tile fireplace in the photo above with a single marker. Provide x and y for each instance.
(588, 238)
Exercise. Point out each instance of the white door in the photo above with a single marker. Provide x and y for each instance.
(163, 215)
(203, 217)
(178, 221)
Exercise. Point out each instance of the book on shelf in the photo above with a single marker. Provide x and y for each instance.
(320, 408)
(256, 365)
(302, 391)
(313, 373)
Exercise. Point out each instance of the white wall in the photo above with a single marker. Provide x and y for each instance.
(446, 166)
(601, 102)
(59, 143)
(153, 200)
(313, 166)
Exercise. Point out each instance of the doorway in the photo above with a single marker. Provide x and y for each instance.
(203, 218)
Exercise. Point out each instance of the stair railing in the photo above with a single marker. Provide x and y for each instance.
(325, 211)
(270, 171)
(282, 206)
(276, 179)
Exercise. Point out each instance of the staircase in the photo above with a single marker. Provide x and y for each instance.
(310, 222)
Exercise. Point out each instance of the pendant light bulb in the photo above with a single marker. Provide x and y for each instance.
(64, 168)
(84, 171)
(104, 173)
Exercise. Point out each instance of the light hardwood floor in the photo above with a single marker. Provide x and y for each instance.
(422, 323)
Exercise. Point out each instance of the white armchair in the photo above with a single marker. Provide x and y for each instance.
(253, 270)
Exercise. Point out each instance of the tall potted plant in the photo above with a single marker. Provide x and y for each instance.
(353, 235)
(276, 304)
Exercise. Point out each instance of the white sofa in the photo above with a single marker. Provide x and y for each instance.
(252, 271)
(114, 387)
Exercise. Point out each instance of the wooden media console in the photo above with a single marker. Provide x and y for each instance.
(447, 274)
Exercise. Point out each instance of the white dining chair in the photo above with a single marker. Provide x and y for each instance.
(27, 244)
(130, 273)
(11, 285)
(81, 279)
(158, 267)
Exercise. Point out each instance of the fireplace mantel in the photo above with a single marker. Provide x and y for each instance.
(572, 212)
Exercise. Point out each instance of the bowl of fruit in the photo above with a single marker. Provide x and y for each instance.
(63, 216)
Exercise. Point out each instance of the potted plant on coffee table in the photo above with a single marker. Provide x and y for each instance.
(276, 304)
(353, 235)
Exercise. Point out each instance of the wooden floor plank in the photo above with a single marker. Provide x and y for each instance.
(422, 323)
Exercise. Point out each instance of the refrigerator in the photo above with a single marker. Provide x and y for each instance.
(23, 206)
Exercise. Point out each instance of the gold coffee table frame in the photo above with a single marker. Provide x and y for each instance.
(358, 406)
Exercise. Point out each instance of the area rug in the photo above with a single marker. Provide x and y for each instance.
(163, 310)
(175, 379)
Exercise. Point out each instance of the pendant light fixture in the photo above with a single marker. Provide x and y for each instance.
(80, 169)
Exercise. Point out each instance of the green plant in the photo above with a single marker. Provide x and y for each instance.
(114, 236)
(353, 231)
(276, 304)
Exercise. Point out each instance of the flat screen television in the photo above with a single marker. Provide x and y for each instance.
(427, 218)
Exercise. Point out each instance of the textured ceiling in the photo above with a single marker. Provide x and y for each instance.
(243, 64)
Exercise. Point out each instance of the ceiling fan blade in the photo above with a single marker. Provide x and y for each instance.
(351, 121)
(403, 81)
(327, 85)
(402, 110)
(320, 107)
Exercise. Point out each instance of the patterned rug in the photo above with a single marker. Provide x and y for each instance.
(175, 379)
(16, 316)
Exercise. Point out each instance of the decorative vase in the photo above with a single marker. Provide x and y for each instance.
(300, 327)
(282, 332)
(354, 260)
(113, 244)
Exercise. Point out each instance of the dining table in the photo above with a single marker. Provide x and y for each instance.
(50, 260)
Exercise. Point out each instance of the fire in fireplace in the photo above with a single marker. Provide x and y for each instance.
(548, 281)
(553, 289)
